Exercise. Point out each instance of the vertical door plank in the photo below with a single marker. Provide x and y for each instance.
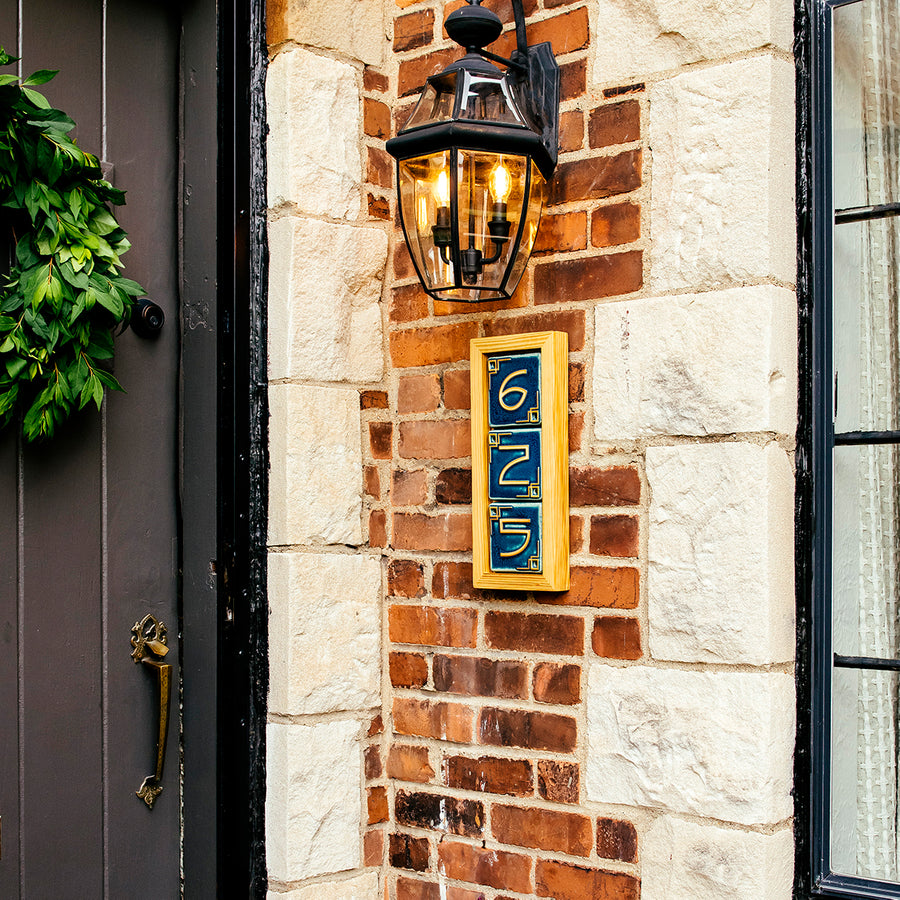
(63, 739)
(142, 118)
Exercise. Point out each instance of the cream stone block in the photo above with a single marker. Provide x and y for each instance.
(315, 480)
(720, 585)
(722, 199)
(698, 364)
(324, 632)
(362, 887)
(313, 808)
(659, 35)
(681, 859)
(715, 744)
(325, 285)
(315, 120)
(354, 28)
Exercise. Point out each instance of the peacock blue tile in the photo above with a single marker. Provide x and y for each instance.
(514, 464)
(515, 540)
(514, 389)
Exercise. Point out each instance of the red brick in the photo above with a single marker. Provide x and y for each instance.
(571, 131)
(618, 223)
(405, 578)
(445, 439)
(432, 346)
(503, 8)
(376, 726)
(534, 633)
(380, 439)
(566, 33)
(589, 278)
(403, 264)
(454, 579)
(570, 321)
(489, 774)
(418, 393)
(408, 889)
(572, 79)
(615, 536)
(377, 803)
(617, 840)
(596, 177)
(372, 482)
(409, 764)
(617, 637)
(379, 207)
(493, 868)
(373, 848)
(376, 118)
(558, 782)
(276, 21)
(414, 30)
(479, 677)
(576, 430)
(618, 486)
(377, 528)
(576, 382)
(457, 388)
(623, 89)
(409, 487)
(442, 721)
(374, 81)
(408, 303)
(413, 72)
(576, 529)
(602, 588)
(562, 233)
(449, 814)
(432, 625)
(532, 730)
(454, 486)
(444, 531)
(520, 298)
(615, 123)
(408, 670)
(557, 683)
(372, 760)
(408, 852)
(542, 829)
(373, 400)
(564, 882)
(379, 168)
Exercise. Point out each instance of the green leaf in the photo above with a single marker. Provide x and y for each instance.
(37, 99)
(42, 76)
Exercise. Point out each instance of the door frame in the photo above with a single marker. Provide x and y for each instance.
(224, 392)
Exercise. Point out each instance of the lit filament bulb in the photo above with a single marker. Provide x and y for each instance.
(442, 189)
(501, 184)
(422, 213)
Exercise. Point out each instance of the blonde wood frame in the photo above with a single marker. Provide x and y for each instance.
(554, 350)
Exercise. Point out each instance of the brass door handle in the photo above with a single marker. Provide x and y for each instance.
(148, 641)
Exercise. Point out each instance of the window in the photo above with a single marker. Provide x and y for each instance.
(855, 792)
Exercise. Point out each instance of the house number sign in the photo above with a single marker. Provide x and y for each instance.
(520, 453)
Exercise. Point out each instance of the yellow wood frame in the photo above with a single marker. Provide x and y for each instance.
(554, 350)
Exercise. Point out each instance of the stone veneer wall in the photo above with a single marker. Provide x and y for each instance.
(633, 736)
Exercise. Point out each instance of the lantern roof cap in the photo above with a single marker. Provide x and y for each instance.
(473, 26)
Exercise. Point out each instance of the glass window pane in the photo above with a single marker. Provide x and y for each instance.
(866, 102)
(865, 552)
(864, 774)
(866, 327)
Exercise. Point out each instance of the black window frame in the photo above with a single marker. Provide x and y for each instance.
(815, 442)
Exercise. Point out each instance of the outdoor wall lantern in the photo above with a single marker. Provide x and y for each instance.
(474, 160)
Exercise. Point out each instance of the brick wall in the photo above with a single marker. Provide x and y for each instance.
(476, 786)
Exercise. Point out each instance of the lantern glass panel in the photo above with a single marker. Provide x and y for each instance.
(536, 195)
(436, 102)
(486, 98)
(424, 200)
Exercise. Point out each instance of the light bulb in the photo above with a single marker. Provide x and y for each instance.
(442, 189)
(422, 213)
(501, 184)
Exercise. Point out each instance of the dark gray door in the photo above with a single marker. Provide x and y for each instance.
(89, 524)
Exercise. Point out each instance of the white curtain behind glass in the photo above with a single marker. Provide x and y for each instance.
(877, 808)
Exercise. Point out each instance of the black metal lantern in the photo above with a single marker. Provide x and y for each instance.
(474, 159)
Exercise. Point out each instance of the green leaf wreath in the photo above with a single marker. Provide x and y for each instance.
(64, 295)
